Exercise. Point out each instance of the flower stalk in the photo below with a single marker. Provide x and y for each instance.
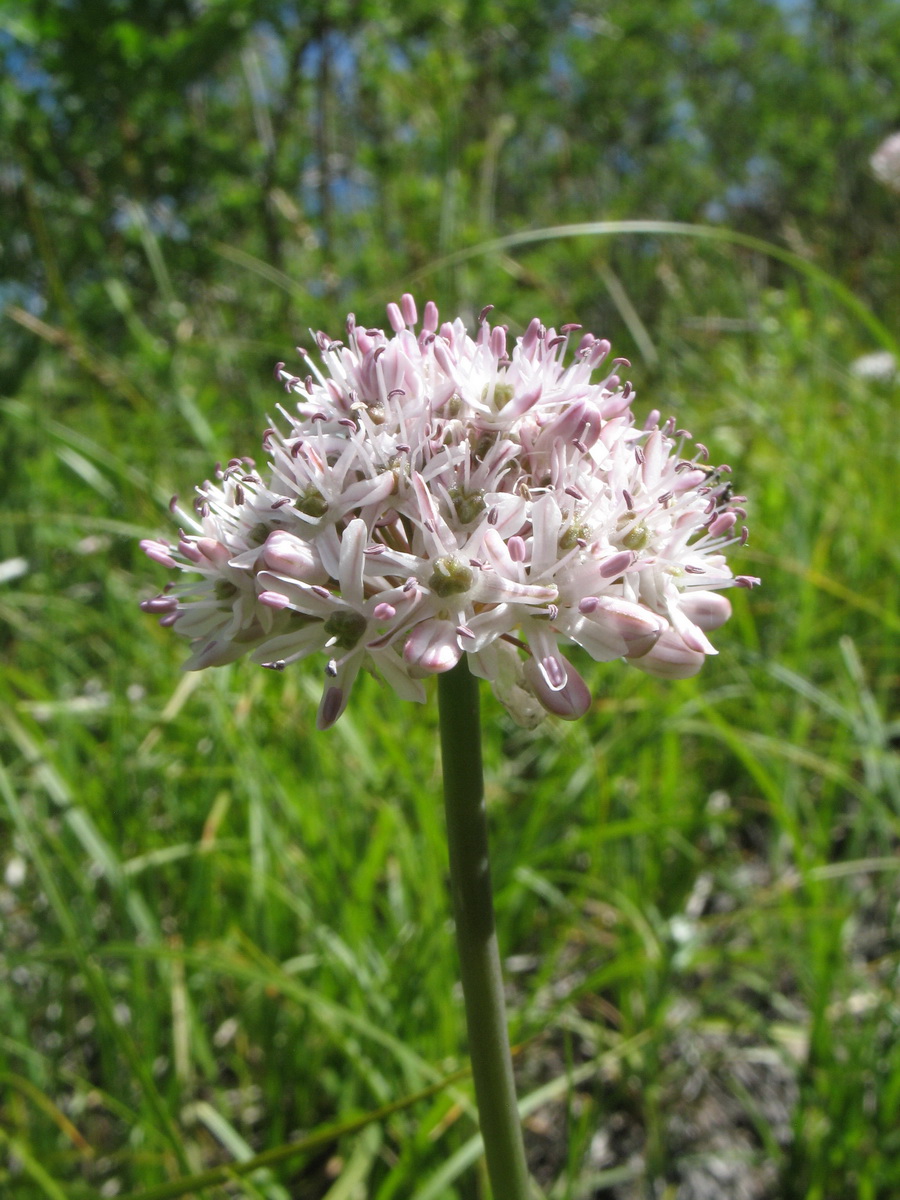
(476, 935)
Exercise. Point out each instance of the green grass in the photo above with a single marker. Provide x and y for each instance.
(232, 931)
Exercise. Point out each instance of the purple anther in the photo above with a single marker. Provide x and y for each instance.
(572, 490)
(321, 592)
(747, 581)
(569, 328)
(375, 549)
(639, 455)
(493, 516)
(465, 632)
(556, 341)
(169, 619)
(485, 312)
(665, 498)
(620, 362)
(745, 533)
(684, 433)
(308, 384)
(173, 503)
(552, 611)
(628, 498)
(589, 605)
(159, 604)
(690, 569)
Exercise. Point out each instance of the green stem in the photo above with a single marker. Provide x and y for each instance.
(476, 935)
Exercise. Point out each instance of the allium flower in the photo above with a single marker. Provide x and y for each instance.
(885, 162)
(433, 495)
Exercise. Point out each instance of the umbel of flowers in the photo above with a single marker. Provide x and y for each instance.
(430, 494)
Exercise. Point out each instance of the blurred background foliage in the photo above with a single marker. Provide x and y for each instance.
(220, 929)
(349, 144)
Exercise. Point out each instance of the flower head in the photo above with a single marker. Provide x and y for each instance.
(431, 494)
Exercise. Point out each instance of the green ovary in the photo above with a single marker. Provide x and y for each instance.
(637, 538)
(346, 628)
(469, 505)
(450, 577)
(312, 503)
(578, 531)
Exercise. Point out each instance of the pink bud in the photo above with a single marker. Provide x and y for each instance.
(708, 610)
(570, 701)
(670, 658)
(289, 555)
(408, 305)
(433, 647)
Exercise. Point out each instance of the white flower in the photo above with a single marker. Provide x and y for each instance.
(885, 162)
(433, 495)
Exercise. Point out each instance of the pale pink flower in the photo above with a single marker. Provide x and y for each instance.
(432, 495)
(885, 162)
